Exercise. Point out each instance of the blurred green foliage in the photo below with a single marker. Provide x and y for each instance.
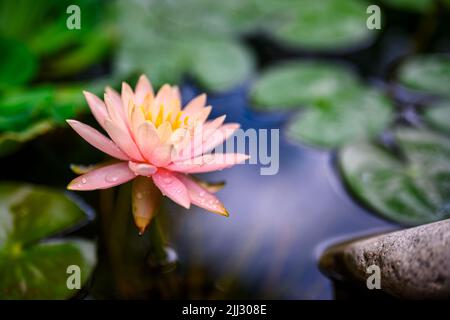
(337, 107)
(427, 73)
(411, 187)
(30, 267)
(36, 48)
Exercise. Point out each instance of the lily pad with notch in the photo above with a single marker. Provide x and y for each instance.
(32, 266)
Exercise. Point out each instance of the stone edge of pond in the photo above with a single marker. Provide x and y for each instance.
(414, 263)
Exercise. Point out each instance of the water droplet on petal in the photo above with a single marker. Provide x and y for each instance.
(83, 180)
(111, 178)
(202, 193)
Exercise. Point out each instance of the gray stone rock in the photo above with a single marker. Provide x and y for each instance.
(414, 263)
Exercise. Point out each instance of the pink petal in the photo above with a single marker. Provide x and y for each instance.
(97, 107)
(103, 178)
(201, 197)
(116, 100)
(209, 162)
(163, 96)
(195, 105)
(127, 98)
(219, 136)
(123, 139)
(143, 87)
(172, 187)
(115, 112)
(147, 139)
(146, 200)
(162, 155)
(199, 145)
(142, 169)
(97, 139)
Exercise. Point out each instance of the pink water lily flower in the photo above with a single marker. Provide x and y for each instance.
(158, 144)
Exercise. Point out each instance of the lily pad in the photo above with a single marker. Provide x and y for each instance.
(438, 116)
(325, 25)
(293, 85)
(412, 189)
(430, 74)
(350, 116)
(220, 65)
(31, 268)
(167, 40)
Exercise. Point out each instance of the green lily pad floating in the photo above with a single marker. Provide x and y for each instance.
(293, 85)
(438, 116)
(411, 190)
(430, 74)
(167, 40)
(18, 65)
(31, 268)
(350, 116)
(337, 108)
(325, 25)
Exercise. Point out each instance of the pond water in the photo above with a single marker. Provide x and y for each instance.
(278, 224)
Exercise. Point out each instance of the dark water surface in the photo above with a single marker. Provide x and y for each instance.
(278, 224)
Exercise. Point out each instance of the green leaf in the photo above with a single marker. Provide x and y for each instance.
(30, 213)
(18, 64)
(430, 74)
(326, 24)
(40, 271)
(167, 40)
(293, 85)
(29, 267)
(413, 190)
(437, 116)
(219, 65)
(19, 108)
(347, 117)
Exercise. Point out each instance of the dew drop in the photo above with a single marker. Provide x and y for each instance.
(202, 193)
(111, 178)
(139, 195)
(83, 180)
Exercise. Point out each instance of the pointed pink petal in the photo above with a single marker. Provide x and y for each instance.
(128, 99)
(146, 200)
(195, 105)
(143, 87)
(163, 96)
(115, 112)
(208, 162)
(198, 146)
(97, 107)
(97, 139)
(123, 139)
(116, 100)
(219, 136)
(103, 178)
(201, 197)
(171, 187)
